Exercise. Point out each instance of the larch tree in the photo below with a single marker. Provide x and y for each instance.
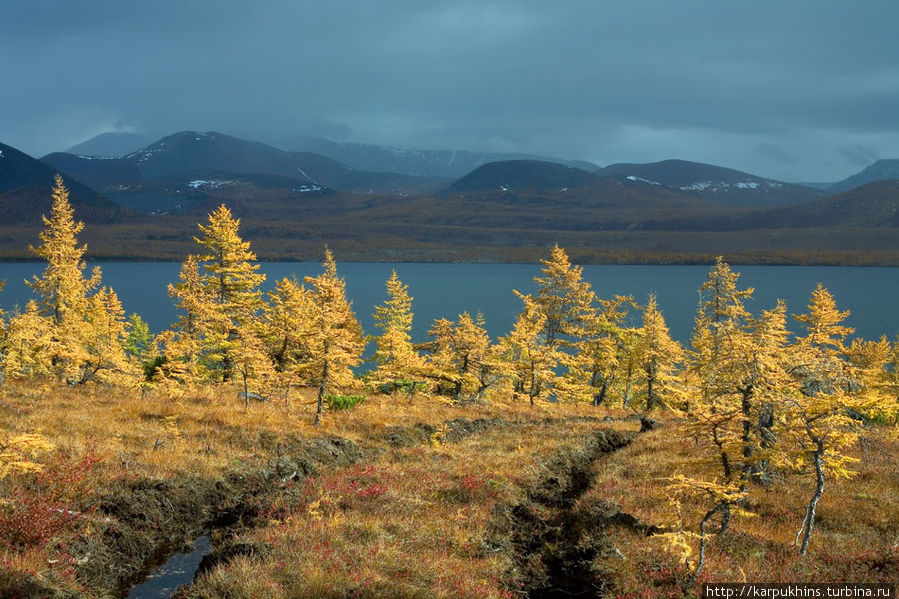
(105, 339)
(873, 373)
(740, 366)
(564, 298)
(659, 357)
(27, 344)
(461, 356)
(395, 356)
(289, 324)
(229, 274)
(820, 423)
(592, 362)
(183, 345)
(720, 337)
(530, 359)
(66, 298)
(217, 335)
(336, 342)
(63, 289)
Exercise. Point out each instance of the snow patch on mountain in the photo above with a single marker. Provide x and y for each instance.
(699, 186)
(642, 180)
(197, 183)
(308, 188)
(764, 185)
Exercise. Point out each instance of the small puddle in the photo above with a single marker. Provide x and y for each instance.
(178, 570)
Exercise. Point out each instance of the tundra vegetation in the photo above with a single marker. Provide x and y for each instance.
(581, 452)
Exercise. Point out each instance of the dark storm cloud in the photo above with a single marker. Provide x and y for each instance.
(796, 90)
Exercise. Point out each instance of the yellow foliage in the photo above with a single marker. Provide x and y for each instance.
(18, 452)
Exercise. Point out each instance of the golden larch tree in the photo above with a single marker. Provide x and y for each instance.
(395, 356)
(27, 344)
(530, 360)
(461, 356)
(66, 301)
(219, 295)
(821, 422)
(229, 274)
(337, 343)
(289, 323)
(659, 357)
(564, 298)
(105, 339)
(720, 336)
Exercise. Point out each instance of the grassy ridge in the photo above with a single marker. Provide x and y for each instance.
(395, 497)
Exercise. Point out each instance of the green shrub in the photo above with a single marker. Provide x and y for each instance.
(404, 386)
(343, 402)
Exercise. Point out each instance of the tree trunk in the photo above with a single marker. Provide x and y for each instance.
(725, 463)
(531, 391)
(650, 396)
(599, 398)
(321, 391)
(703, 540)
(246, 391)
(809, 522)
(746, 408)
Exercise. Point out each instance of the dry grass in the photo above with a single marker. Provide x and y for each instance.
(411, 521)
(409, 518)
(856, 536)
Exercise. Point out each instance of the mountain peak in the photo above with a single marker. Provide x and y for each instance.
(523, 175)
(884, 168)
(110, 144)
(25, 186)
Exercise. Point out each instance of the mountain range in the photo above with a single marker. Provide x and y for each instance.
(25, 185)
(292, 201)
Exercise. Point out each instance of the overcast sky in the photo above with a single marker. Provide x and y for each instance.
(800, 90)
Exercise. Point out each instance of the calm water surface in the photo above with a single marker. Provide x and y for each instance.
(445, 290)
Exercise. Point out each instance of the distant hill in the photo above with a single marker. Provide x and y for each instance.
(200, 192)
(110, 144)
(879, 171)
(418, 163)
(190, 152)
(715, 183)
(873, 205)
(25, 186)
(523, 175)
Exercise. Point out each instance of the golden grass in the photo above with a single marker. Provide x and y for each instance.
(856, 536)
(417, 524)
(412, 521)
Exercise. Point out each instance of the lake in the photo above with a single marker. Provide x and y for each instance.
(445, 290)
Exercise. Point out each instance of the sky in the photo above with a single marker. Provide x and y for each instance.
(798, 90)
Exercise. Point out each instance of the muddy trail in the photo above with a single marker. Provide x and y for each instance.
(147, 521)
(554, 537)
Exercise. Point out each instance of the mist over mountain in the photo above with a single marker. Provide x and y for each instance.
(419, 163)
(881, 170)
(293, 199)
(111, 144)
(189, 152)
